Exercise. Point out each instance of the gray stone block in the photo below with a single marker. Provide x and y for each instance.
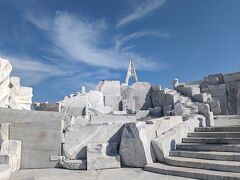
(40, 141)
(156, 111)
(158, 98)
(215, 107)
(228, 78)
(233, 97)
(167, 109)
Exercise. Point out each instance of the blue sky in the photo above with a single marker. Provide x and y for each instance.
(56, 46)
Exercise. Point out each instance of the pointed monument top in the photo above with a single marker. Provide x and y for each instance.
(131, 72)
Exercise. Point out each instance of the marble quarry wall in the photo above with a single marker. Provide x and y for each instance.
(226, 89)
(13, 95)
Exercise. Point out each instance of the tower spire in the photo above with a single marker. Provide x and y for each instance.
(131, 72)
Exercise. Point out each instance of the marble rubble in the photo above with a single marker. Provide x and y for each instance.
(116, 125)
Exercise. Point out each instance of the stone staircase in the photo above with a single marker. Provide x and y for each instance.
(207, 153)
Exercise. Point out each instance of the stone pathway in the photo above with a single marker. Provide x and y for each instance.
(109, 174)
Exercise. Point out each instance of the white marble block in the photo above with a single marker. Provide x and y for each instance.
(77, 138)
(12, 148)
(102, 156)
(109, 88)
(25, 98)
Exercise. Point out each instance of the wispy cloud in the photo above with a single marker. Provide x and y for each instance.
(123, 40)
(32, 71)
(87, 41)
(140, 10)
(77, 44)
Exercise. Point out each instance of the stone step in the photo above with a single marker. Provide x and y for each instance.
(215, 134)
(211, 140)
(208, 147)
(214, 155)
(227, 166)
(218, 129)
(191, 172)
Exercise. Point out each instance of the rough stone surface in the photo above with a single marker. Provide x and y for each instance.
(77, 138)
(167, 141)
(128, 105)
(202, 98)
(114, 119)
(12, 94)
(109, 88)
(102, 156)
(233, 98)
(4, 132)
(164, 124)
(218, 92)
(5, 70)
(13, 150)
(135, 148)
(114, 102)
(189, 91)
(25, 98)
(156, 111)
(142, 94)
(215, 107)
(141, 114)
(74, 164)
(228, 78)
(204, 109)
(5, 172)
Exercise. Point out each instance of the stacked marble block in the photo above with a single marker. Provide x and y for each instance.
(226, 89)
(121, 97)
(202, 101)
(12, 94)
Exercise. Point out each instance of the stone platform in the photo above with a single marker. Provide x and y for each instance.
(108, 174)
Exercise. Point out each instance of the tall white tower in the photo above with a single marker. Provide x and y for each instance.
(131, 72)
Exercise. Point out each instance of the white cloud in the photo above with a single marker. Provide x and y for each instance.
(77, 40)
(121, 41)
(41, 23)
(32, 71)
(88, 41)
(140, 10)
